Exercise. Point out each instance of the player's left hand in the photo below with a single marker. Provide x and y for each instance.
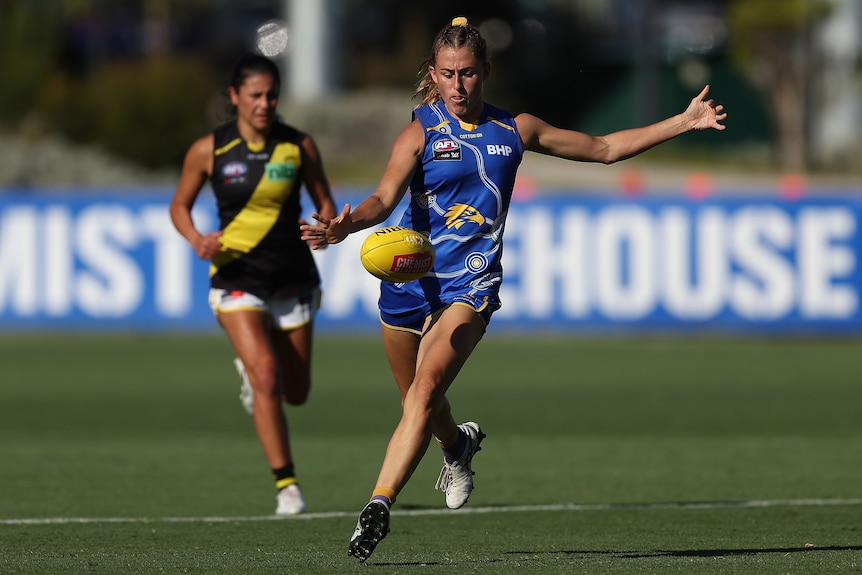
(703, 114)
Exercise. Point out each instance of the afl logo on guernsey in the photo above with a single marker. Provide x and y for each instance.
(234, 170)
(446, 149)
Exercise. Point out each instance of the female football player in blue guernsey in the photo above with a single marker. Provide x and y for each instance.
(265, 288)
(458, 159)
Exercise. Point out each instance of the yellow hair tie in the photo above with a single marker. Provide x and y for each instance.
(460, 21)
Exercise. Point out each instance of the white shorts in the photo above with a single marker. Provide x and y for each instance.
(286, 314)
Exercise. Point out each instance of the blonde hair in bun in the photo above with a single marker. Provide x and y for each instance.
(457, 34)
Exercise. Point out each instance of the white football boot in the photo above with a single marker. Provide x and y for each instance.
(246, 392)
(456, 478)
(290, 501)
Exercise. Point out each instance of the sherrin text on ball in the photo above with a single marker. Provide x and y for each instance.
(397, 254)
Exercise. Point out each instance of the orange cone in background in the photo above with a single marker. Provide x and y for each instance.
(792, 186)
(698, 185)
(525, 188)
(632, 182)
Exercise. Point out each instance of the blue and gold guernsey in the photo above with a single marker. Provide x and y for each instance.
(459, 197)
(257, 192)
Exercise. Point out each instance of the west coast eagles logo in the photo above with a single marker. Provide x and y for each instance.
(446, 149)
(460, 214)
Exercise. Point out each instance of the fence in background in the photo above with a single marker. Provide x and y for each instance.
(573, 264)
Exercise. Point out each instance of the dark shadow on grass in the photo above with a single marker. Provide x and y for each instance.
(371, 563)
(732, 552)
(693, 552)
(420, 563)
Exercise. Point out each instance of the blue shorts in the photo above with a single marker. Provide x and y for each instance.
(405, 311)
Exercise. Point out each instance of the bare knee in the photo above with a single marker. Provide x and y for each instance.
(263, 375)
(425, 395)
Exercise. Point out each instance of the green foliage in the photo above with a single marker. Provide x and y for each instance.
(755, 22)
(29, 41)
(147, 110)
(63, 105)
(771, 15)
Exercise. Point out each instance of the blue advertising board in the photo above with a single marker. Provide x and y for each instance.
(572, 263)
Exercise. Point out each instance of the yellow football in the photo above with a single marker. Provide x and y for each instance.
(397, 254)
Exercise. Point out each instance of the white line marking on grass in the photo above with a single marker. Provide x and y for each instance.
(466, 510)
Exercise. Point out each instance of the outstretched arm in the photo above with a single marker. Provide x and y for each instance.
(379, 205)
(539, 136)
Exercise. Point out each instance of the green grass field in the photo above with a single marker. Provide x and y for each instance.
(131, 454)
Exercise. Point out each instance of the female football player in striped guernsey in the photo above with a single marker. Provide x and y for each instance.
(265, 288)
(458, 158)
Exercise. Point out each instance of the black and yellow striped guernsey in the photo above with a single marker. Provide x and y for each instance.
(257, 191)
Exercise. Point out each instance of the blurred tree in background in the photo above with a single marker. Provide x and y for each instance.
(771, 42)
(101, 77)
(149, 110)
(29, 43)
(142, 78)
